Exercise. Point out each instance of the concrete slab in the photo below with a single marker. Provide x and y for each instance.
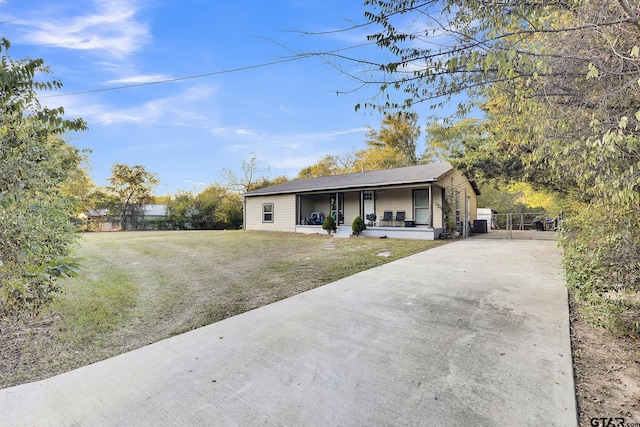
(471, 333)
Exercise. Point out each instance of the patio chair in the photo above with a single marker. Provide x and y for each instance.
(399, 219)
(387, 218)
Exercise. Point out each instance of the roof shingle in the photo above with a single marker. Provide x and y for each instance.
(397, 176)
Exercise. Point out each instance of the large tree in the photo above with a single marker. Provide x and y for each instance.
(132, 187)
(555, 78)
(558, 82)
(399, 134)
(36, 218)
(394, 145)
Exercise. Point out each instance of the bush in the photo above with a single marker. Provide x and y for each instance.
(601, 265)
(358, 226)
(329, 224)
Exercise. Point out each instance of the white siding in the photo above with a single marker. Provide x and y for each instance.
(395, 200)
(351, 207)
(437, 207)
(284, 213)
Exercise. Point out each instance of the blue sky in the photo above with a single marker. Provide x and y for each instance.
(188, 131)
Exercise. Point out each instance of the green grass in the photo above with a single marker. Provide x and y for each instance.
(140, 287)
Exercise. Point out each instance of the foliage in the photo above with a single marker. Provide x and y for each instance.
(393, 146)
(602, 264)
(329, 224)
(36, 217)
(559, 86)
(81, 189)
(358, 225)
(396, 138)
(132, 188)
(215, 208)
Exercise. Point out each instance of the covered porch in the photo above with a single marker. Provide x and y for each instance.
(409, 212)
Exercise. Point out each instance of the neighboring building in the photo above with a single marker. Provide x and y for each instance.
(97, 220)
(100, 220)
(403, 202)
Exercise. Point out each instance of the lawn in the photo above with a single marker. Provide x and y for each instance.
(137, 288)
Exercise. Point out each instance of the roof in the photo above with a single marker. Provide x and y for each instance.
(386, 177)
(149, 210)
(155, 210)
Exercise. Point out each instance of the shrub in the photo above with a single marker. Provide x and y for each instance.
(329, 224)
(601, 265)
(358, 226)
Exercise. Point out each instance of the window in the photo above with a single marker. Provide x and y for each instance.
(421, 206)
(267, 212)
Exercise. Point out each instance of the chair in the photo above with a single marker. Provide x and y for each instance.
(387, 217)
(371, 219)
(399, 218)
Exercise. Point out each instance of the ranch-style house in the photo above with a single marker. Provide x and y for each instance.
(415, 202)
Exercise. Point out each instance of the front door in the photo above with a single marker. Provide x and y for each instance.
(369, 207)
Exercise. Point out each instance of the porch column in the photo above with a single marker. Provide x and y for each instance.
(431, 206)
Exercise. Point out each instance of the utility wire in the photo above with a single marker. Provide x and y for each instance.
(296, 57)
(177, 79)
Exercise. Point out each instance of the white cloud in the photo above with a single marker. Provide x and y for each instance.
(110, 28)
(182, 109)
(142, 78)
(199, 184)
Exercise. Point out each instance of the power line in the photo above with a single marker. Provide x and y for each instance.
(177, 79)
(296, 57)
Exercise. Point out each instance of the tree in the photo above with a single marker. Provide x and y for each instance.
(253, 176)
(399, 133)
(36, 218)
(180, 208)
(215, 208)
(328, 165)
(132, 187)
(393, 146)
(559, 85)
(80, 187)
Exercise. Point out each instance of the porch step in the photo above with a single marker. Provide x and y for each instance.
(344, 231)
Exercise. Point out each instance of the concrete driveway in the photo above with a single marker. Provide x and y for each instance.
(475, 332)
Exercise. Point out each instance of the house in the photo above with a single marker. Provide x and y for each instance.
(404, 202)
(101, 220)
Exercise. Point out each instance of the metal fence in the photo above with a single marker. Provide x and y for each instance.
(511, 225)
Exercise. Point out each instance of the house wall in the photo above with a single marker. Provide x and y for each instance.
(394, 200)
(284, 213)
(438, 200)
(461, 184)
(351, 207)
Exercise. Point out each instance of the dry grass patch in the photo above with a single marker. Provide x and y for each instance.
(140, 287)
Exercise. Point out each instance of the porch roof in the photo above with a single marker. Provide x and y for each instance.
(420, 174)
